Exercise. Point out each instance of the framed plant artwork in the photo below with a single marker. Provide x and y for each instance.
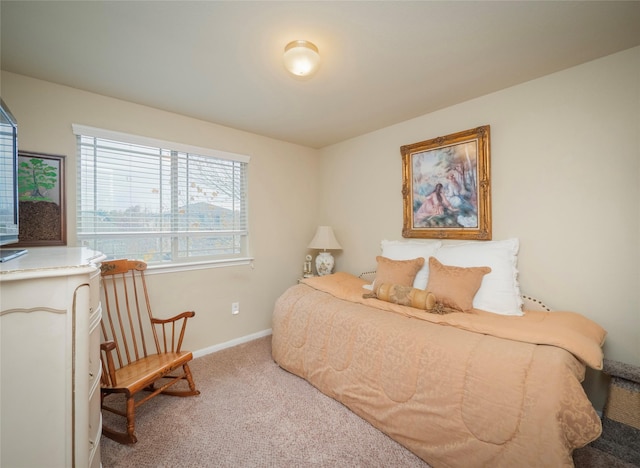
(41, 197)
(446, 186)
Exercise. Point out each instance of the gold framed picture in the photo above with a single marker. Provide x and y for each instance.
(446, 186)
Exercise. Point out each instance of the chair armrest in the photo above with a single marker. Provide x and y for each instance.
(169, 341)
(183, 315)
(108, 368)
(107, 346)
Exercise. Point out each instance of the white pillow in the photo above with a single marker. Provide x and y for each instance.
(408, 250)
(499, 291)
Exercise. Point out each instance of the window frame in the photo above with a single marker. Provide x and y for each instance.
(180, 264)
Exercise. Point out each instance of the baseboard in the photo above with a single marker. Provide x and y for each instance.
(231, 343)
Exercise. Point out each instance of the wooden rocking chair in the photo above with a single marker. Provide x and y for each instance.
(146, 349)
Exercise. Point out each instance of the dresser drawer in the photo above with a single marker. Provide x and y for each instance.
(94, 356)
(94, 282)
(95, 429)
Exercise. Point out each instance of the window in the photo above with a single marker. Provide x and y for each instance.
(158, 201)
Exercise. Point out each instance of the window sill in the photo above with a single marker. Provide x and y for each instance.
(201, 265)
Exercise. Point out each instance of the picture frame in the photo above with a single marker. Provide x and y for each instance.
(41, 198)
(446, 186)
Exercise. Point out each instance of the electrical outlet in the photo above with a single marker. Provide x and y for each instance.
(235, 308)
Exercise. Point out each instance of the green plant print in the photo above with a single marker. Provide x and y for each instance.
(35, 179)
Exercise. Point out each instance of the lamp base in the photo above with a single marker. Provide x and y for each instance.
(324, 263)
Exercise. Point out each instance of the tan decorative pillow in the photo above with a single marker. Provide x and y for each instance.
(455, 287)
(409, 296)
(406, 295)
(400, 272)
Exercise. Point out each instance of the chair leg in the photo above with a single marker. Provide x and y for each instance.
(192, 385)
(131, 419)
(122, 437)
(189, 378)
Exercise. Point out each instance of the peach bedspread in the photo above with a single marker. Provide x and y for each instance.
(482, 390)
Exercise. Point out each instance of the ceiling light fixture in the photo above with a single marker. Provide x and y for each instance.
(301, 58)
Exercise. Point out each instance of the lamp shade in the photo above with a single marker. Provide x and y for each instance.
(325, 239)
(301, 58)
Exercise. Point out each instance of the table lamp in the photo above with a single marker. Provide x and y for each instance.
(324, 240)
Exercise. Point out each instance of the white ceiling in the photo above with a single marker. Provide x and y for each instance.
(383, 62)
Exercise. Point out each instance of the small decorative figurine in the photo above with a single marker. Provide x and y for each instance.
(307, 271)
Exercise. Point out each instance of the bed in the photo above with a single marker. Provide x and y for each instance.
(461, 388)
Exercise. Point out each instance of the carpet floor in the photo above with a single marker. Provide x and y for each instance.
(252, 413)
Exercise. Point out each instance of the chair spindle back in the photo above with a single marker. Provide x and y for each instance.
(128, 316)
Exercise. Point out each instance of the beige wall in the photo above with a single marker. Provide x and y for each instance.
(565, 160)
(281, 225)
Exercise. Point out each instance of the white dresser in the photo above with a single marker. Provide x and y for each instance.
(50, 359)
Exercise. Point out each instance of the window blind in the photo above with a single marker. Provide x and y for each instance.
(159, 201)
